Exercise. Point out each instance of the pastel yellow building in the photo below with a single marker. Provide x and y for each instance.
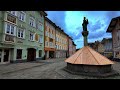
(61, 43)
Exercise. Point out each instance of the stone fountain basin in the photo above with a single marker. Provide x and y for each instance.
(91, 70)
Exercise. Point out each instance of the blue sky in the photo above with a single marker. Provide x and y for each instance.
(71, 23)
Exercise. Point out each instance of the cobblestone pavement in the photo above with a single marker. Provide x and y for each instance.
(44, 69)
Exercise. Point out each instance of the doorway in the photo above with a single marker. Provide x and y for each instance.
(4, 56)
(51, 54)
(31, 55)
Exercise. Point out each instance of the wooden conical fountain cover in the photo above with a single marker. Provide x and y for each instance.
(87, 61)
(88, 56)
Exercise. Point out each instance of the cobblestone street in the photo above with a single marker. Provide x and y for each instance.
(44, 69)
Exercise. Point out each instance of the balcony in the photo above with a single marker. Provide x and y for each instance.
(8, 39)
(11, 19)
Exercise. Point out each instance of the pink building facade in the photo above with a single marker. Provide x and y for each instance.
(73, 48)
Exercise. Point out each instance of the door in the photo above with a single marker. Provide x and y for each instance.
(31, 55)
(6, 56)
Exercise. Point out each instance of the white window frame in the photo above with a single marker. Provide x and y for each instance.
(40, 28)
(31, 19)
(14, 32)
(20, 15)
(20, 29)
(33, 36)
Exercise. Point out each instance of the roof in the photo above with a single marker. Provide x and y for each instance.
(44, 13)
(112, 24)
(88, 56)
(47, 19)
(70, 37)
(74, 43)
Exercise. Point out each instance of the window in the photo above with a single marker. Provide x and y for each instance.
(45, 33)
(19, 54)
(10, 29)
(55, 38)
(31, 36)
(56, 46)
(41, 39)
(50, 44)
(20, 33)
(48, 34)
(40, 27)
(32, 22)
(40, 53)
(22, 16)
(46, 43)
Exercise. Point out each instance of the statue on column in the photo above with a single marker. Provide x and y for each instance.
(85, 22)
(85, 32)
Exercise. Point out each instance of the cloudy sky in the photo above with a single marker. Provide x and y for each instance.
(71, 23)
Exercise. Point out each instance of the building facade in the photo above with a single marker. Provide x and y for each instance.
(70, 50)
(74, 48)
(107, 42)
(92, 45)
(49, 38)
(101, 48)
(114, 29)
(61, 43)
(21, 36)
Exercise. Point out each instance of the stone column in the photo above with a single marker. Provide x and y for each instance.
(85, 34)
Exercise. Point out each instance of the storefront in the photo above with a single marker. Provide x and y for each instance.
(49, 53)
